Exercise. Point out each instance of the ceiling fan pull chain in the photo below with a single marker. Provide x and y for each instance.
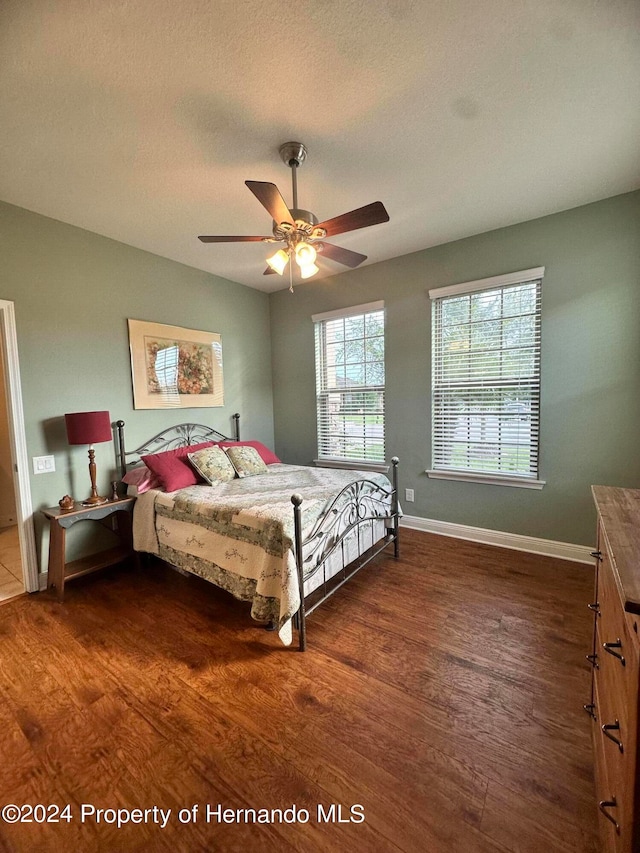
(290, 278)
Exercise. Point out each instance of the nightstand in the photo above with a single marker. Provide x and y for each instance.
(60, 520)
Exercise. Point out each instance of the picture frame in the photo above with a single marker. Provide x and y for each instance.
(175, 368)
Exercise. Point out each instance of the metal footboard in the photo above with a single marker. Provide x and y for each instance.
(360, 504)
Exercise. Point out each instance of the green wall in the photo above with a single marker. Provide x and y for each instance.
(590, 406)
(73, 292)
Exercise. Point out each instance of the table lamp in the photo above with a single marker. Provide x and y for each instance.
(89, 428)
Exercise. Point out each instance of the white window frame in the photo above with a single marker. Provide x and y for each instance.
(320, 321)
(528, 481)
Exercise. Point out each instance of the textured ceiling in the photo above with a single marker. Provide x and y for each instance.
(142, 120)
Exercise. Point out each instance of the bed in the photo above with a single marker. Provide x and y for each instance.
(283, 540)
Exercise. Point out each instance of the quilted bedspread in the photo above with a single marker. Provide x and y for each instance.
(239, 535)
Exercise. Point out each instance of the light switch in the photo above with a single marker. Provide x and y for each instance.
(44, 464)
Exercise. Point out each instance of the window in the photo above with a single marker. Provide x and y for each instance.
(350, 384)
(486, 379)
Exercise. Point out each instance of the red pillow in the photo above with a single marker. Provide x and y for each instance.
(267, 456)
(172, 467)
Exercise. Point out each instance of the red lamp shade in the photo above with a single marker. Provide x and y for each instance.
(88, 427)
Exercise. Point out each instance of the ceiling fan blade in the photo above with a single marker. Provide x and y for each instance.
(342, 256)
(269, 271)
(269, 196)
(362, 217)
(209, 239)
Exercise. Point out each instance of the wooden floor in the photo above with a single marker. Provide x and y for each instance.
(442, 693)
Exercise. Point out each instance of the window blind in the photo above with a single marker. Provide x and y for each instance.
(350, 384)
(486, 377)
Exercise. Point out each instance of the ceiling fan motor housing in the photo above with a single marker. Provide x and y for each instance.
(305, 222)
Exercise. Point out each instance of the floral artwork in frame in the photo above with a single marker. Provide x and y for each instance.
(175, 368)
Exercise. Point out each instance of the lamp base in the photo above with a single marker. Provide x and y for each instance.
(95, 500)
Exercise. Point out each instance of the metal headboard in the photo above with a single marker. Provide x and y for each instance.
(181, 435)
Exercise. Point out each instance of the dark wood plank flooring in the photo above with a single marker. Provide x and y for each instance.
(442, 693)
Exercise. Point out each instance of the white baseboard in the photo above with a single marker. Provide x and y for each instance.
(546, 547)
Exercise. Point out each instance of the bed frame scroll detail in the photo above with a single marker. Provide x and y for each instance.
(171, 438)
(359, 504)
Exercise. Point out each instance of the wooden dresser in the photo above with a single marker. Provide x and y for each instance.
(616, 675)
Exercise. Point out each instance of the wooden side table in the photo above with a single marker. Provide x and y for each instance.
(60, 520)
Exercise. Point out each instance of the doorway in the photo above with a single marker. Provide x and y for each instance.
(11, 575)
(17, 538)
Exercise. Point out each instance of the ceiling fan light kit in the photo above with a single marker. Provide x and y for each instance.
(299, 229)
(308, 270)
(279, 261)
(305, 254)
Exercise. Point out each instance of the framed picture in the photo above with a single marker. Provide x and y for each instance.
(174, 368)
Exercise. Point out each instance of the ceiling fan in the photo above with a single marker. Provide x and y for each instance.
(298, 230)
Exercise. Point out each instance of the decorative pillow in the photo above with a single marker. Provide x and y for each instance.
(172, 467)
(268, 456)
(142, 478)
(213, 465)
(246, 460)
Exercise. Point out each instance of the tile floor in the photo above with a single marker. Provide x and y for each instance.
(10, 564)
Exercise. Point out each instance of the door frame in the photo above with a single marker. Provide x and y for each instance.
(18, 441)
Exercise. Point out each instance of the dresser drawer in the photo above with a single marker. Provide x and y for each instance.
(614, 790)
(616, 722)
(612, 703)
(617, 643)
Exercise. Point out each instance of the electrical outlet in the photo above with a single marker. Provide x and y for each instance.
(44, 464)
(409, 495)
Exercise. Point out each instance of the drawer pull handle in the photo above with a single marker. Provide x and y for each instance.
(593, 660)
(603, 805)
(591, 710)
(595, 607)
(613, 727)
(609, 647)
